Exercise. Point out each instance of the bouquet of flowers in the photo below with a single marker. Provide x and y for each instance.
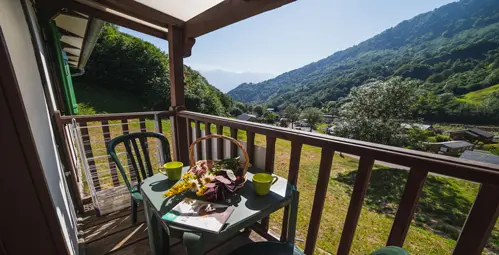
(213, 180)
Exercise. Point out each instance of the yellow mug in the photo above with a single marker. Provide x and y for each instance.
(173, 170)
(262, 183)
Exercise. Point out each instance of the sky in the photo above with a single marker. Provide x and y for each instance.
(296, 34)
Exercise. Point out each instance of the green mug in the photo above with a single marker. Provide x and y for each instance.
(262, 183)
(173, 170)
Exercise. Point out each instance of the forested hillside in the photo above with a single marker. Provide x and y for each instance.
(452, 50)
(134, 75)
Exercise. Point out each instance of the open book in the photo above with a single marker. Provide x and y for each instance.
(199, 215)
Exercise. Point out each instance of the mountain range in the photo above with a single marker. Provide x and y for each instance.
(226, 80)
(452, 49)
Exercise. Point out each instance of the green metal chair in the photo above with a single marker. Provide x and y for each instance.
(138, 171)
(277, 248)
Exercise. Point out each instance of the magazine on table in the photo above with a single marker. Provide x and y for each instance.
(199, 214)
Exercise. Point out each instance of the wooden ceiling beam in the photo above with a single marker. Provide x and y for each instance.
(143, 12)
(105, 14)
(228, 12)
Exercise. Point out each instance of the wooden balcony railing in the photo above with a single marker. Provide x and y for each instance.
(473, 236)
(479, 223)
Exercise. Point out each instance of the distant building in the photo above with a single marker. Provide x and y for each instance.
(451, 148)
(417, 125)
(246, 117)
(270, 109)
(481, 157)
(327, 118)
(472, 135)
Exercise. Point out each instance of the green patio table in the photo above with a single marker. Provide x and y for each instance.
(248, 209)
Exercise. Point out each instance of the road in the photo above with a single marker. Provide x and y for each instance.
(377, 162)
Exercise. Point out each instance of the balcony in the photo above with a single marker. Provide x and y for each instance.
(341, 194)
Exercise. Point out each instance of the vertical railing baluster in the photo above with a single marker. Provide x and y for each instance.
(294, 165)
(142, 124)
(220, 142)
(480, 222)
(357, 199)
(124, 128)
(112, 166)
(207, 131)
(158, 127)
(233, 147)
(250, 146)
(407, 206)
(269, 167)
(199, 151)
(90, 155)
(319, 199)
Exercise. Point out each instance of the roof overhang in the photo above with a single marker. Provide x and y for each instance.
(153, 17)
(79, 34)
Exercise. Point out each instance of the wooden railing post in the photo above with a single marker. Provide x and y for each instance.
(294, 165)
(112, 166)
(87, 146)
(356, 201)
(233, 147)
(207, 131)
(250, 146)
(220, 142)
(407, 207)
(319, 199)
(480, 222)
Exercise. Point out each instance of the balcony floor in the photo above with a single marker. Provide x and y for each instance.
(115, 234)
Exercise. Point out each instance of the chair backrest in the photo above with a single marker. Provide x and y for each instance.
(134, 157)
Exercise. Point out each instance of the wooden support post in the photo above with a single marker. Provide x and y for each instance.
(199, 147)
(407, 207)
(269, 167)
(176, 63)
(250, 146)
(233, 147)
(480, 222)
(356, 201)
(220, 142)
(142, 125)
(319, 199)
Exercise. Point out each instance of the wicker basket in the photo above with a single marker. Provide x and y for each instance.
(246, 164)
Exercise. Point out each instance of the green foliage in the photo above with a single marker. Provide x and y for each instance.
(270, 117)
(442, 138)
(452, 50)
(375, 112)
(127, 65)
(292, 113)
(313, 117)
(259, 110)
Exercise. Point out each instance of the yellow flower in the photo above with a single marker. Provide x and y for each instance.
(201, 191)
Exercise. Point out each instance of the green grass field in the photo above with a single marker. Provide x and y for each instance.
(477, 97)
(92, 100)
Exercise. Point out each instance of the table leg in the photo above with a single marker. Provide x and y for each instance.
(194, 243)
(152, 230)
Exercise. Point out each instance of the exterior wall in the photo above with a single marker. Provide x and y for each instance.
(15, 26)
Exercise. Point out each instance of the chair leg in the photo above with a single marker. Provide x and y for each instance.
(134, 212)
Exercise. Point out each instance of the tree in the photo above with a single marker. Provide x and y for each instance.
(250, 108)
(374, 112)
(270, 117)
(292, 113)
(313, 115)
(258, 110)
(236, 112)
(241, 106)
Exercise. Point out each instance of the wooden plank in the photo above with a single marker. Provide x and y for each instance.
(124, 128)
(143, 12)
(228, 12)
(220, 143)
(250, 146)
(319, 199)
(270, 154)
(199, 148)
(233, 147)
(142, 125)
(118, 240)
(87, 146)
(444, 165)
(410, 197)
(356, 202)
(89, 219)
(207, 130)
(111, 227)
(114, 116)
(294, 165)
(176, 62)
(480, 222)
(112, 165)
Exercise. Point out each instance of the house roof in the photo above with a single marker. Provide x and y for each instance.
(482, 157)
(456, 144)
(481, 132)
(416, 125)
(245, 116)
(79, 34)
